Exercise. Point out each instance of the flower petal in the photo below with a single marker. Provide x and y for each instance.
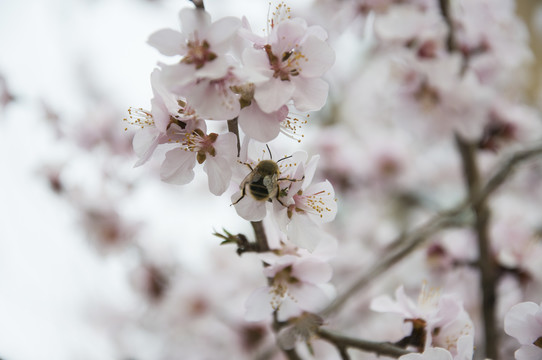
(319, 57)
(312, 271)
(248, 208)
(516, 322)
(258, 305)
(178, 167)
(168, 42)
(193, 20)
(310, 94)
(274, 94)
(259, 125)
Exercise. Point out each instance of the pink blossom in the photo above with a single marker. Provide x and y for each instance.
(204, 74)
(252, 209)
(524, 322)
(201, 43)
(167, 120)
(285, 66)
(308, 206)
(217, 151)
(296, 285)
(431, 312)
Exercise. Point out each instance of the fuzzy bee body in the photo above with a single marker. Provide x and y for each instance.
(262, 182)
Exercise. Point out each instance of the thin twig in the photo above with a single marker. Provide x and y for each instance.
(486, 261)
(233, 127)
(505, 170)
(199, 4)
(343, 342)
(445, 11)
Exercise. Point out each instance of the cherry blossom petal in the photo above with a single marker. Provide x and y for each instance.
(256, 69)
(312, 271)
(319, 57)
(144, 143)
(309, 297)
(176, 77)
(259, 125)
(168, 42)
(274, 94)
(528, 352)
(289, 34)
(304, 232)
(178, 167)
(248, 208)
(258, 304)
(465, 348)
(220, 31)
(310, 94)
(215, 69)
(219, 174)
(310, 169)
(193, 20)
(160, 114)
(213, 100)
(324, 195)
(289, 308)
(516, 322)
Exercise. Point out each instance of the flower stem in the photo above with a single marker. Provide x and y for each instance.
(199, 4)
(234, 128)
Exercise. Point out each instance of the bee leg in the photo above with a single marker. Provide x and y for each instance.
(291, 180)
(277, 197)
(243, 193)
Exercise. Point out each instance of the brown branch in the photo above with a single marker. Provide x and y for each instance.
(343, 342)
(505, 170)
(233, 127)
(486, 261)
(199, 4)
(261, 238)
(445, 11)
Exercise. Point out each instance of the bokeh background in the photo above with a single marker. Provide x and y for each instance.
(80, 229)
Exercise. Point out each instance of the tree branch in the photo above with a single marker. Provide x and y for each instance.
(199, 4)
(445, 11)
(259, 233)
(344, 342)
(234, 128)
(486, 261)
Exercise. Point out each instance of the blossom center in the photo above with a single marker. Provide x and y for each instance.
(279, 287)
(198, 53)
(285, 66)
(200, 143)
(139, 117)
(313, 203)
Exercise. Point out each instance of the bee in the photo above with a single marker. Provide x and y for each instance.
(263, 181)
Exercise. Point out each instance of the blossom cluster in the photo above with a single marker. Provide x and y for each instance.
(226, 73)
